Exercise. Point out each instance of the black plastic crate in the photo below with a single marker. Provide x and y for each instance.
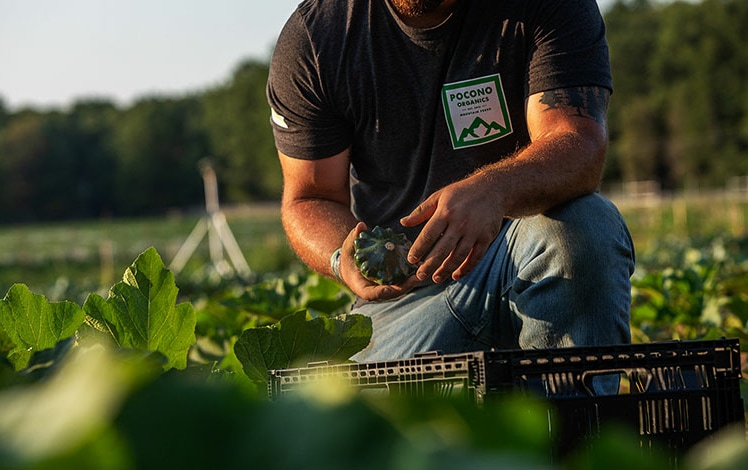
(673, 394)
(425, 374)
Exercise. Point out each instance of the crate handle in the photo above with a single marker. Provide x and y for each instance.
(632, 375)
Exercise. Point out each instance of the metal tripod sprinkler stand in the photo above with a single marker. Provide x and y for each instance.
(220, 237)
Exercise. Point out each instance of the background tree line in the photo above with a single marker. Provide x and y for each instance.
(678, 116)
(97, 160)
(679, 113)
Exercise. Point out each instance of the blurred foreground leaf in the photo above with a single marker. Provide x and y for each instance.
(51, 418)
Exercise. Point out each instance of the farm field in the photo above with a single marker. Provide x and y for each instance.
(59, 258)
(691, 280)
(685, 216)
(129, 393)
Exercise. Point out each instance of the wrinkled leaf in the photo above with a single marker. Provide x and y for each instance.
(296, 341)
(34, 324)
(141, 312)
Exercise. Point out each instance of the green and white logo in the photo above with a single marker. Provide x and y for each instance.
(476, 111)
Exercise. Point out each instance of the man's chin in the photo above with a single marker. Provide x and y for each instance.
(415, 8)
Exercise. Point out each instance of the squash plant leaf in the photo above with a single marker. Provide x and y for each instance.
(296, 341)
(44, 364)
(34, 324)
(141, 312)
(322, 296)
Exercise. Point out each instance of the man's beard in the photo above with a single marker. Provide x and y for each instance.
(414, 8)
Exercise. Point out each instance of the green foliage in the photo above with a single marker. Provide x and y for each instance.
(164, 137)
(140, 335)
(57, 165)
(235, 117)
(297, 340)
(225, 429)
(99, 160)
(226, 315)
(680, 91)
(132, 418)
(114, 398)
(701, 293)
(46, 420)
(141, 312)
(276, 298)
(33, 324)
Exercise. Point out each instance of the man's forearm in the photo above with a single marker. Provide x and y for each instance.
(566, 157)
(315, 229)
(552, 170)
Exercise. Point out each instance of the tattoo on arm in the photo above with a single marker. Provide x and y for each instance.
(585, 102)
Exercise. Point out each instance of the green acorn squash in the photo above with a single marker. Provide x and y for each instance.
(382, 256)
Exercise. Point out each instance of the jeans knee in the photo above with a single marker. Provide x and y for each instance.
(586, 235)
(572, 283)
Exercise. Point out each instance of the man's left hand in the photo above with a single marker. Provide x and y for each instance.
(462, 220)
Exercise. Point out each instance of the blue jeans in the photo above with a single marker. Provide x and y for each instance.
(553, 280)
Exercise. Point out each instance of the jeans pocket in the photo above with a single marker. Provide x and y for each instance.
(472, 306)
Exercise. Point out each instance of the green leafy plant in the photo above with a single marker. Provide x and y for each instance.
(141, 312)
(273, 299)
(701, 294)
(109, 385)
(30, 323)
(260, 308)
(297, 340)
(59, 352)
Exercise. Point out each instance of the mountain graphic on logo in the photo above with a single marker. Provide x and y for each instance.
(479, 129)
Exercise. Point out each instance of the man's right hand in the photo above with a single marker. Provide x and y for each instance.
(361, 286)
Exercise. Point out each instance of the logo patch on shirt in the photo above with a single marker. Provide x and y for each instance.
(476, 111)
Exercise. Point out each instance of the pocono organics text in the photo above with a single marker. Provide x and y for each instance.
(472, 97)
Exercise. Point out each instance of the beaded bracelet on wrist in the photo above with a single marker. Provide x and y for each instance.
(335, 264)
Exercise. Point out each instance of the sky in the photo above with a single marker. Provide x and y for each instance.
(55, 52)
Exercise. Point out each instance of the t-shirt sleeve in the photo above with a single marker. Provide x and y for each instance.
(304, 120)
(569, 47)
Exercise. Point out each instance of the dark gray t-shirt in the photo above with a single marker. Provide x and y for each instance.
(421, 109)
